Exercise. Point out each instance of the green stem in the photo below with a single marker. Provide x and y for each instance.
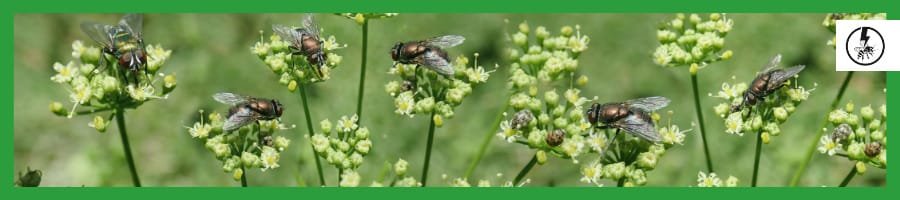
(756, 159)
(309, 126)
(123, 133)
(362, 71)
(525, 170)
(849, 177)
(428, 150)
(709, 165)
(486, 142)
(815, 141)
(620, 182)
(243, 177)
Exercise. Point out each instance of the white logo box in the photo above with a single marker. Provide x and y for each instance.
(890, 56)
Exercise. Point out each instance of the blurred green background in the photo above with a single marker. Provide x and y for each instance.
(211, 54)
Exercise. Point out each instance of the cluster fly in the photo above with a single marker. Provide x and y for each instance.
(246, 110)
(429, 53)
(632, 116)
(767, 82)
(123, 41)
(305, 41)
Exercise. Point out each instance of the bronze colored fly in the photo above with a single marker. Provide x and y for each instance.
(632, 116)
(429, 53)
(305, 41)
(767, 82)
(245, 110)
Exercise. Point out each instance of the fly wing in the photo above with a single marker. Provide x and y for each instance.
(133, 24)
(772, 64)
(446, 41)
(229, 98)
(286, 33)
(648, 104)
(777, 78)
(639, 127)
(100, 33)
(434, 61)
(309, 23)
(241, 118)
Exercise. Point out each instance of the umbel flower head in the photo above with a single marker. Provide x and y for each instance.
(542, 118)
(860, 137)
(689, 40)
(764, 110)
(253, 146)
(424, 91)
(288, 54)
(344, 144)
(830, 20)
(628, 158)
(96, 83)
(361, 18)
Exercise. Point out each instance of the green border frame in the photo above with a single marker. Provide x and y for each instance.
(419, 6)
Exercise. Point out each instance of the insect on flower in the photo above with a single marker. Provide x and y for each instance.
(246, 110)
(305, 41)
(123, 41)
(633, 116)
(429, 53)
(767, 82)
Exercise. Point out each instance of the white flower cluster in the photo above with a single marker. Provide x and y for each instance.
(294, 69)
(712, 180)
(464, 182)
(249, 147)
(424, 91)
(768, 113)
(98, 85)
(691, 40)
(858, 137)
(345, 149)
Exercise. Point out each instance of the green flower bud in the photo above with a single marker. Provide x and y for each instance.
(541, 157)
(874, 125)
(169, 81)
(837, 117)
(867, 113)
(614, 171)
(756, 123)
(638, 177)
(877, 135)
(343, 146)
(860, 168)
(856, 151)
(852, 120)
(438, 121)
(523, 28)
(647, 160)
(90, 55)
(560, 122)
(765, 137)
(400, 167)
(425, 105)
(582, 81)
(87, 68)
(883, 110)
(250, 160)
(543, 118)
(362, 133)
(535, 105)
(849, 107)
(325, 125)
(861, 132)
(520, 39)
(292, 86)
(541, 33)
(237, 174)
(781, 114)
(98, 123)
(551, 97)
(364, 146)
(57, 108)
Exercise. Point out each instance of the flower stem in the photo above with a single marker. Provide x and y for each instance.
(362, 70)
(309, 126)
(812, 147)
(620, 183)
(756, 159)
(849, 177)
(486, 142)
(709, 165)
(525, 170)
(123, 133)
(243, 177)
(428, 150)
